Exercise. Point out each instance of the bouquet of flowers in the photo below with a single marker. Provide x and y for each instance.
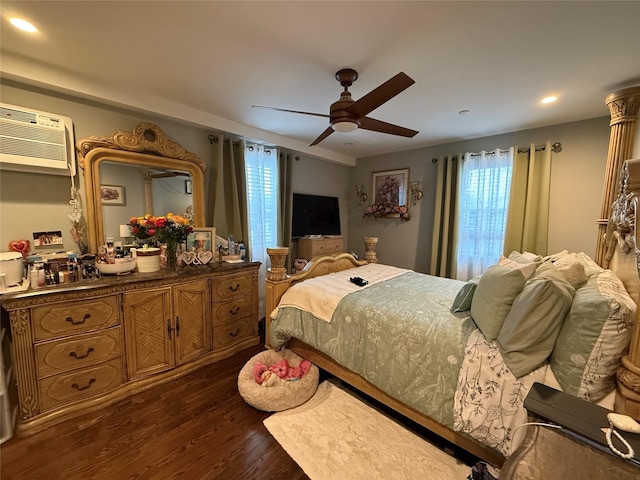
(384, 210)
(166, 229)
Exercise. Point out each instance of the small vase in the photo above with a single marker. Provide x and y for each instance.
(172, 256)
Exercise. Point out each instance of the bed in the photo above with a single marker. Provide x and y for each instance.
(459, 357)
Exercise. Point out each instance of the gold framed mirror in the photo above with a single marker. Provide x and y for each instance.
(134, 173)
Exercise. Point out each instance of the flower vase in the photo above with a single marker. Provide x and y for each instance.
(171, 256)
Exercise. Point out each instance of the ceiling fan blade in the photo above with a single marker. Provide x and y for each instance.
(322, 136)
(292, 111)
(368, 123)
(380, 95)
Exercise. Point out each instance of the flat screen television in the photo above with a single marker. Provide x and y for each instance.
(315, 215)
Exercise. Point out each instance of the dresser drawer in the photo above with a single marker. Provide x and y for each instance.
(226, 288)
(231, 311)
(74, 317)
(313, 247)
(59, 356)
(230, 333)
(79, 384)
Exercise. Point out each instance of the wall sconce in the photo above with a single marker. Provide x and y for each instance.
(416, 193)
(362, 196)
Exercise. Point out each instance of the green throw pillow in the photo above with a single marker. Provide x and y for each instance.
(531, 328)
(594, 337)
(462, 302)
(492, 300)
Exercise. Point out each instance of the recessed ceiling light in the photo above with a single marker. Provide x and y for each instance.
(23, 25)
(549, 99)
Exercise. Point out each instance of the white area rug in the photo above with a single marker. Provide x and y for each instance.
(335, 436)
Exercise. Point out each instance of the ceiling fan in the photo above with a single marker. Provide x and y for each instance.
(346, 115)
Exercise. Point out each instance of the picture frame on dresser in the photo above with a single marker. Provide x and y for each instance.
(202, 238)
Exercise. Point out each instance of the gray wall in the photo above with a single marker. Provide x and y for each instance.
(35, 202)
(576, 188)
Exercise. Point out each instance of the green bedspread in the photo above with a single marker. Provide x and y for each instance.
(398, 334)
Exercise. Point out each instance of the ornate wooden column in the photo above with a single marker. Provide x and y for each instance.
(623, 107)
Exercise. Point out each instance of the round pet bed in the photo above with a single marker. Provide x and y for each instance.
(283, 395)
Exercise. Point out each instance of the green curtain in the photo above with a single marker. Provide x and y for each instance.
(445, 221)
(228, 189)
(285, 203)
(528, 218)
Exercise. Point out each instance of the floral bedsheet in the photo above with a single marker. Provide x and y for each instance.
(489, 399)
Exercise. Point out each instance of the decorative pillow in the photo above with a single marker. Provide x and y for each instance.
(554, 257)
(527, 268)
(593, 338)
(572, 270)
(525, 257)
(590, 267)
(492, 300)
(462, 302)
(532, 326)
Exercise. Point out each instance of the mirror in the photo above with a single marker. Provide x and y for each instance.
(133, 173)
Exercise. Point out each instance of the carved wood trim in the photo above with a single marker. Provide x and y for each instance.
(24, 364)
(623, 107)
(147, 137)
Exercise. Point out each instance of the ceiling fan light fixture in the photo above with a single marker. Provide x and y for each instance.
(344, 127)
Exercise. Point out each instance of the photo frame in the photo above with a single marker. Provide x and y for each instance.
(202, 238)
(390, 187)
(188, 187)
(112, 195)
(201, 244)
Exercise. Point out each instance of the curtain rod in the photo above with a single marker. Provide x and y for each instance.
(555, 148)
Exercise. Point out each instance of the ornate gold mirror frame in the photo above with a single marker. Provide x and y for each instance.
(147, 146)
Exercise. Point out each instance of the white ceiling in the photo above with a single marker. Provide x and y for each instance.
(208, 62)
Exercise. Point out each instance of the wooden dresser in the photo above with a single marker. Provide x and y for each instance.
(313, 247)
(79, 347)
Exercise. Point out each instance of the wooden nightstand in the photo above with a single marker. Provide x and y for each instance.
(579, 450)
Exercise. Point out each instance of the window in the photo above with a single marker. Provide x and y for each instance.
(261, 170)
(485, 185)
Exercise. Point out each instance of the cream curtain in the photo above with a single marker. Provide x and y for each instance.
(443, 243)
(528, 219)
(483, 200)
(228, 188)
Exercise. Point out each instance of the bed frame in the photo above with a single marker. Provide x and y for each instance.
(623, 257)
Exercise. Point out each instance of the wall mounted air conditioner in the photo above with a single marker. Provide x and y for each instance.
(35, 141)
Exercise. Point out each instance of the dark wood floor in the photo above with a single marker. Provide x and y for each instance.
(195, 428)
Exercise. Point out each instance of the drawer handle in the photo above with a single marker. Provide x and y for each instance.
(177, 326)
(78, 357)
(235, 310)
(231, 334)
(79, 322)
(169, 329)
(234, 289)
(79, 388)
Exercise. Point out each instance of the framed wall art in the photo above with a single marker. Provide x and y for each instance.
(112, 195)
(390, 187)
